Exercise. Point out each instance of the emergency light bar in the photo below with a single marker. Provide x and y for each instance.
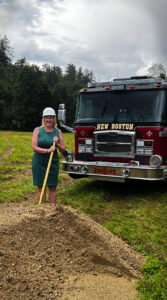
(117, 87)
(118, 84)
(99, 84)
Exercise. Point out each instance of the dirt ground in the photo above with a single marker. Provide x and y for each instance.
(55, 252)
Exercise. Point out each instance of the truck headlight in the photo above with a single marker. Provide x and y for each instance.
(140, 143)
(139, 151)
(144, 147)
(85, 146)
(155, 161)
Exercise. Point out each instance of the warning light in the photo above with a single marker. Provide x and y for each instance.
(81, 141)
(85, 90)
(148, 143)
(107, 88)
(132, 86)
(158, 85)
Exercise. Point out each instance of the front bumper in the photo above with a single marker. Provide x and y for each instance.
(113, 171)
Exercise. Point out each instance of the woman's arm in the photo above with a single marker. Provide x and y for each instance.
(35, 143)
(60, 145)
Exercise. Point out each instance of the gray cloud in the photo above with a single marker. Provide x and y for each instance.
(156, 11)
(112, 38)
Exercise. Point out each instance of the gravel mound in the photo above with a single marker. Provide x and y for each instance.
(43, 247)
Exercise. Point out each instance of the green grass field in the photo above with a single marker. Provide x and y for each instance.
(135, 211)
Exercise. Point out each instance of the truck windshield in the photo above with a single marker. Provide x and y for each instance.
(128, 106)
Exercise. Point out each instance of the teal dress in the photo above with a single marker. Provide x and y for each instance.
(40, 160)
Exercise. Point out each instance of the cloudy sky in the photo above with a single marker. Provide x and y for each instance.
(113, 38)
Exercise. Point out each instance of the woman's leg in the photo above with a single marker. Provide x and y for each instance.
(52, 194)
(39, 194)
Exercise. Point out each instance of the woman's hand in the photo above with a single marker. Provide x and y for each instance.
(51, 149)
(55, 139)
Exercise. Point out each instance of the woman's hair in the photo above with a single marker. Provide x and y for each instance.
(54, 123)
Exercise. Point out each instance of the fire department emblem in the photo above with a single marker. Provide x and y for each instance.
(149, 133)
(82, 132)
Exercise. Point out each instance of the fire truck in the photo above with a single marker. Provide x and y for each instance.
(120, 130)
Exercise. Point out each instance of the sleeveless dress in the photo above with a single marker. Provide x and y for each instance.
(40, 160)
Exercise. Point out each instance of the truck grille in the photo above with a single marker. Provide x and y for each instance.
(114, 143)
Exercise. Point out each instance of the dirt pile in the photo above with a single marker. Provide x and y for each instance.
(59, 253)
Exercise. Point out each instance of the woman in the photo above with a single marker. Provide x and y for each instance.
(42, 144)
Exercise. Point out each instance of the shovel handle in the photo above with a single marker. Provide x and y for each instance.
(46, 175)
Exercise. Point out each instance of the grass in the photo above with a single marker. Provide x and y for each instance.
(3, 142)
(18, 190)
(135, 211)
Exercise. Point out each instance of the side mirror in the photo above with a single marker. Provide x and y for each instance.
(62, 114)
(62, 118)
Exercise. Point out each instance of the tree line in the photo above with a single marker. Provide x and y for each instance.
(26, 89)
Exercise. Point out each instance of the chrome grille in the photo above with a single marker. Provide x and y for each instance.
(114, 143)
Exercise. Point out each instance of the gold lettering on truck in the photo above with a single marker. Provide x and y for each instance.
(102, 126)
(131, 126)
(116, 126)
(122, 126)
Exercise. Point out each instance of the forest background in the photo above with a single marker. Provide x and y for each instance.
(26, 89)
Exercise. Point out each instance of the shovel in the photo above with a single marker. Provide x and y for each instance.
(46, 175)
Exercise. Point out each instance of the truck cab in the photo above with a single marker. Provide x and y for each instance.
(120, 130)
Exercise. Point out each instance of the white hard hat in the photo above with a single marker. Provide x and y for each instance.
(48, 111)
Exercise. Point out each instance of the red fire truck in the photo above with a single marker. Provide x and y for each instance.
(120, 130)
